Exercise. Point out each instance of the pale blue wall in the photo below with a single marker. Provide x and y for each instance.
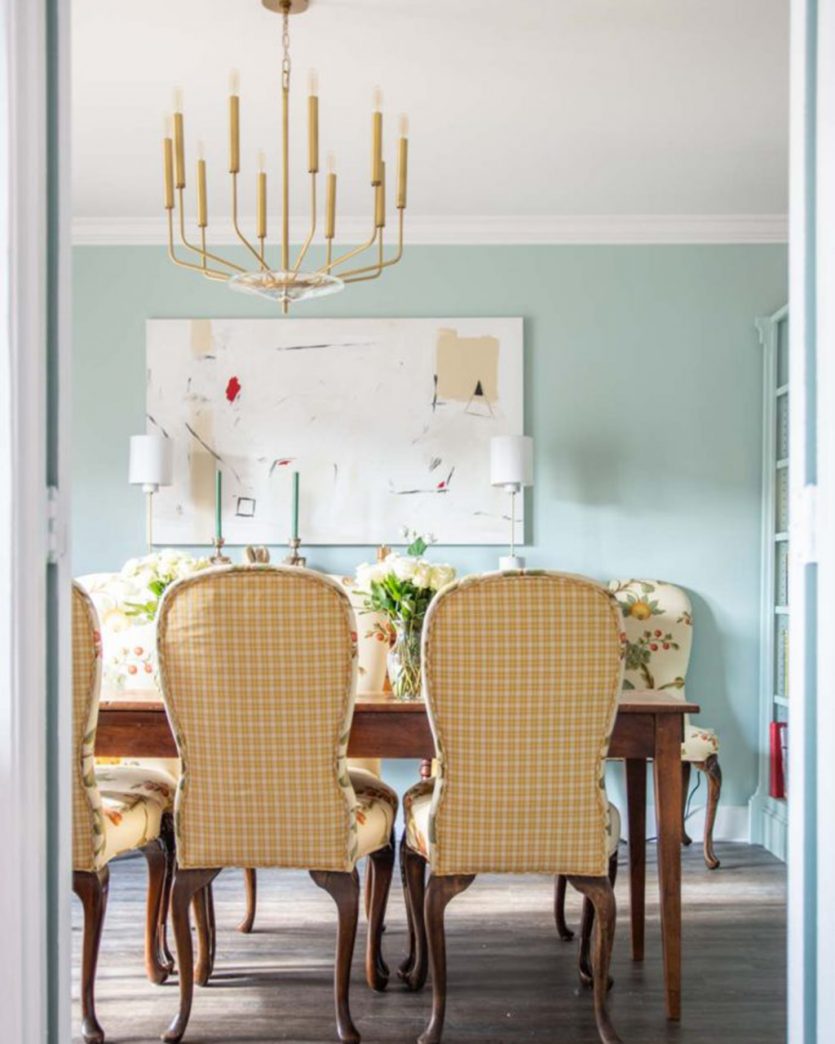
(643, 394)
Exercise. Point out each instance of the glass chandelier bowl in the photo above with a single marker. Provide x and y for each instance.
(286, 287)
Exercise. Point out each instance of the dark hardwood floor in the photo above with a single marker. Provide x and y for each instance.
(510, 978)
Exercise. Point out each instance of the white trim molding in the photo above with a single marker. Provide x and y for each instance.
(487, 230)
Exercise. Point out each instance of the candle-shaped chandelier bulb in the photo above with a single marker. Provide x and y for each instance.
(376, 136)
(330, 199)
(402, 162)
(281, 278)
(313, 122)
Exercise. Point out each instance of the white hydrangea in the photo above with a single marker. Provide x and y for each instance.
(440, 576)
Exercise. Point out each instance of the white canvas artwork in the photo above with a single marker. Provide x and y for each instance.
(387, 421)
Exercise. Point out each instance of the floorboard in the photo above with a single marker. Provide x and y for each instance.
(510, 978)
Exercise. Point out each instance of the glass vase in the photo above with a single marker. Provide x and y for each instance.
(404, 661)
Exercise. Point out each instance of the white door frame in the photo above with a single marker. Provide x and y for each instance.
(35, 708)
(812, 578)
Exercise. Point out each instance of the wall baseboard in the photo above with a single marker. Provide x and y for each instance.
(496, 230)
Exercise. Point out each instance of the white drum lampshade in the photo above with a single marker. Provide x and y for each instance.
(151, 466)
(151, 462)
(511, 467)
(511, 461)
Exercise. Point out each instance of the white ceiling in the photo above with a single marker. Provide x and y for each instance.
(531, 109)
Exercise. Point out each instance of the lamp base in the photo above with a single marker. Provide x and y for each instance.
(509, 562)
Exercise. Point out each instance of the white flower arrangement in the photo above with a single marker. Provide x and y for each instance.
(149, 576)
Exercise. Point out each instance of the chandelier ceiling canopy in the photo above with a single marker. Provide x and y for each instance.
(290, 281)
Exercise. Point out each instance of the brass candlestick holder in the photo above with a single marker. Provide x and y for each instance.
(219, 558)
(294, 558)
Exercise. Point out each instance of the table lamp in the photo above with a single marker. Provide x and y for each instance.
(511, 467)
(151, 466)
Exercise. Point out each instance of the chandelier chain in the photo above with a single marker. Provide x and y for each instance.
(285, 43)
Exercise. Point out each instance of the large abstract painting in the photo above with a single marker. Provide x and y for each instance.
(387, 421)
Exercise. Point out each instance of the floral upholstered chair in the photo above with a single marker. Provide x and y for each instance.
(523, 670)
(115, 810)
(262, 661)
(658, 620)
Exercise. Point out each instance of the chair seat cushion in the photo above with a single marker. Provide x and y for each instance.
(699, 744)
(376, 811)
(417, 801)
(125, 781)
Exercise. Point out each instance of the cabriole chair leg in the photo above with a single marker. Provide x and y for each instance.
(344, 889)
(438, 894)
(586, 969)
(413, 972)
(251, 890)
(380, 868)
(156, 966)
(91, 887)
(187, 883)
(564, 932)
(686, 839)
(166, 834)
(713, 775)
(599, 891)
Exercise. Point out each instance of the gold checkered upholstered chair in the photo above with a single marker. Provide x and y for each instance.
(521, 670)
(115, 810)
(257, 666)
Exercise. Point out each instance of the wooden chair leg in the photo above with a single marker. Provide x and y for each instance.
(92, 889)
(413, 973)
(713, 775)
(251, 889)
(187, 883)
(599, 891)
(686, 839)
(202, 906)
(166, 833)
(344, 889)
(406, 966)
(564, 932)
(380, 868)
(156, 967)
(586, 969)
(438, 894)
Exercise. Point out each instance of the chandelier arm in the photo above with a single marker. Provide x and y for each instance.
(327, 268)
(210, 273)
(312, 232)
(195, 249)
(375, 270)
(258, 256)
(381, 264)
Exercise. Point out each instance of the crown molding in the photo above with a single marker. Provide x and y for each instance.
(553, 229)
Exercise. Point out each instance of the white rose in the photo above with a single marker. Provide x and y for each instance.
(131, 567)
(441, 576)
(403, 567)
(365, 574)
(423, 575)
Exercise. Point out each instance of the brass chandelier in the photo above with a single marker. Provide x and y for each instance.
(289, 282)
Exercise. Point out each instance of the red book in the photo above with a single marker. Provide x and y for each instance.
(777, 748)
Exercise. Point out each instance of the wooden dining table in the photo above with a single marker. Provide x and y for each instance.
(648, 727)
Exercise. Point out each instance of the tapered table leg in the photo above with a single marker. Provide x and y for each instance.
(636, 796)
(667, 765)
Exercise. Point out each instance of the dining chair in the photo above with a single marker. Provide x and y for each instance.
(257, 667)
(522, 670)
(658, 620)
(115, 810)
(371, 673)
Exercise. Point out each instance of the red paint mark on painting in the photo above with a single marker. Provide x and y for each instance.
(284, 461)
(441, 485)
(233, 389)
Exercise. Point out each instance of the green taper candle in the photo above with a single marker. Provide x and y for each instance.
(218, 499)
(295, 533)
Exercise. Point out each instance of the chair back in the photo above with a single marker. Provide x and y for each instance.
(658, 621)
(257, 667)
(521, 673)
(88, 840)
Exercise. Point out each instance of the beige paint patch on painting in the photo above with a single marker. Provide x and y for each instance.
(201, 337)
(467, 366)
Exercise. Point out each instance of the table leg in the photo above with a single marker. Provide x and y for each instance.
(636, 796)
(667, 766)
